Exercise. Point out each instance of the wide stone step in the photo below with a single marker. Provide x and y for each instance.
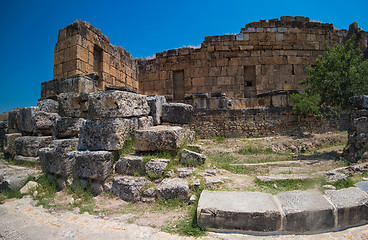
(295, 211)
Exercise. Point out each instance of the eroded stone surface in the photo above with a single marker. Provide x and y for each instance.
(54, 160)
(104, 134)
(67, 127)
(130, 165)
(306, 211)
(191, 158)
(155, 168)
(95, 165)
(28, 146)
(171, 188)
(155, 103)
(250, 211)
(351, 205)
(177, 113)
(117, 104)
(159, 138)
(48, 105)
(128, 188)
(9, 146)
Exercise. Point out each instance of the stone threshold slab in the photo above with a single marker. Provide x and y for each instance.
(293, 212)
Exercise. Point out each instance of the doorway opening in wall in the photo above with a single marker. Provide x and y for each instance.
(97, 64)
(178, 85)
(249, 81)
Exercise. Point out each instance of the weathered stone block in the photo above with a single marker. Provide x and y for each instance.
(128, 188)
(130, 165)
(177, 113)
(306, 211)
(54, 159)
(155, 103)
(104, 134)
(27, 119)
(159, 138)
(14, 178)
(9, 146)
(173, 188)
(44, 122)
(191, 158)
(28, 146)
(351, 205)
(249, 211)
(13, 120)
(67, 127)
(111, 104)
(21, 158)
(92, 164)
(145, 122)
(48, 105)
(73, 105)
(155, 168)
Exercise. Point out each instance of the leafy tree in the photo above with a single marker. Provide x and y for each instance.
(338, 75)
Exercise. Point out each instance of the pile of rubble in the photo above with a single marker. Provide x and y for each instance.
(78, 138)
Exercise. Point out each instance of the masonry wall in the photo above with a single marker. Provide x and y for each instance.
(82, 48)
(264, 56)
(260, 122)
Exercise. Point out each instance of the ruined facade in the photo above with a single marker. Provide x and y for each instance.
(258, 67)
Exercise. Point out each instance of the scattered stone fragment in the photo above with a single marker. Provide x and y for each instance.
(31, 185)
(14, 178)
(192, 199)
(21, 158)
(209, 172)
(128, 188)
(333, 176)
(104, 134)
(212, 181)
(155, 103)
(130, 165)
(329, 187)
(159, 138)
(177, 113)
(185, 172)
(191, 158)
(155, 168)
(196, 184)
(171, 188)
(110, 104)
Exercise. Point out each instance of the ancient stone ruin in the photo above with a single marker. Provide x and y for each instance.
(232, 85)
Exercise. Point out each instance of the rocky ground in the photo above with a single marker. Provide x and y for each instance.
(232, 164)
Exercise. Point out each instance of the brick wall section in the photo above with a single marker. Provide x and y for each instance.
(264, 56)
(259, 122)
(82, 48)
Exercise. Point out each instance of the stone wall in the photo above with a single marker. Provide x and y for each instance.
(82, 49)
(264, 56)
(259, 122)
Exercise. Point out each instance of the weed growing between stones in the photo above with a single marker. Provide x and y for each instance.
(8, 193)
(250, 149)
(84, 197)
(275, 187)
(344, 183)
(46, 190)
(128, 146)
(187, 226)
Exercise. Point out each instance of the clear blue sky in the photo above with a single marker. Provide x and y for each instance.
(29, 30)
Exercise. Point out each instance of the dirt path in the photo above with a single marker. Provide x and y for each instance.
(20, 219)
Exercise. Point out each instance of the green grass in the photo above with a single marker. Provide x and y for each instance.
(218, 139)
(23, 163)
(344, 183)
(288, 185)
(8, 194)
(251, 150)
(238, 169)
(85, 197)
(46, 190)
(158, 154)
(128, 147)
(187, 226)
(222, 158)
